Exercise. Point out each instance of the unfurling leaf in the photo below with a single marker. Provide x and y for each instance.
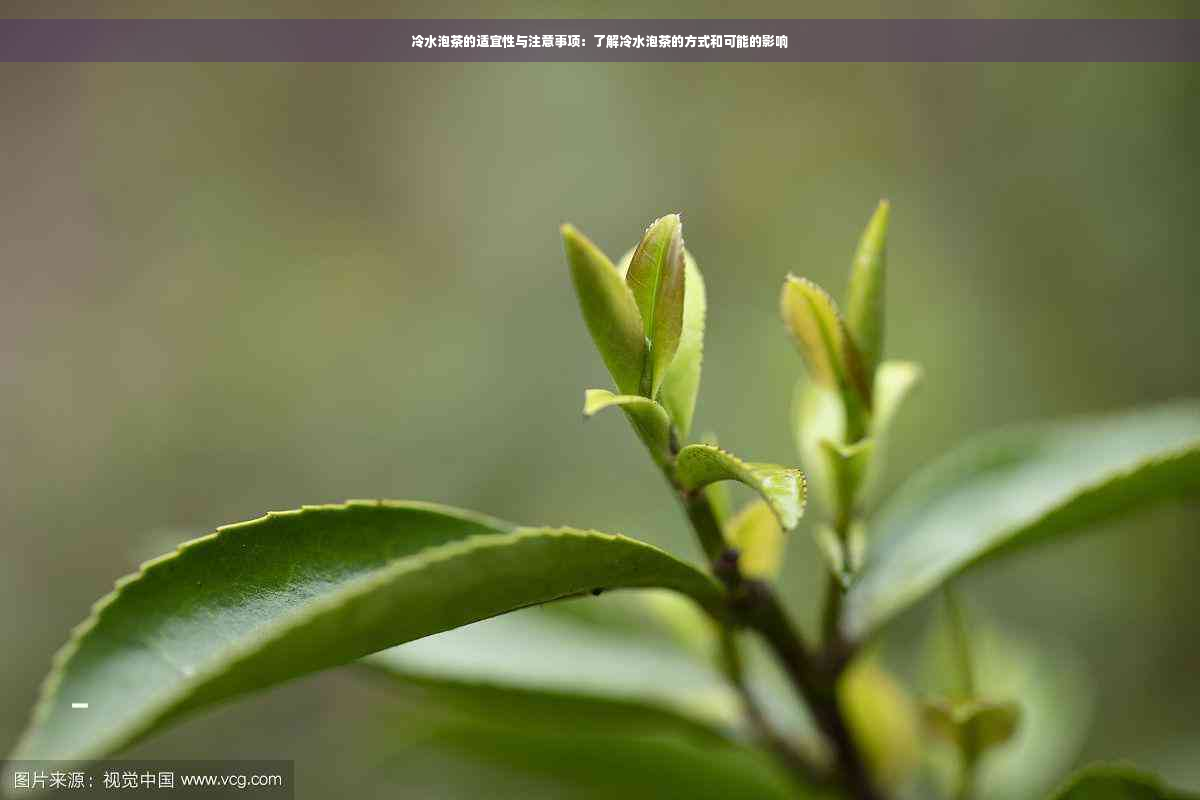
(829, 353)
(973, 725)
(894, 381)
(833, 549)
(865, 300)
(698, 465)
(856, 546)
(609, 310)
(1018, 487)
(843, 556)
(291, 593)
(817, 416)
(754, 530)
(657, 278)
(848, 466)
(648, 418)
(682, 381)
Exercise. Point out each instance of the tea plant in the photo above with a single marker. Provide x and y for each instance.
(260, 602)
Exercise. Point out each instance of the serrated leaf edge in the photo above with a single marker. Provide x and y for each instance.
(993, 445)
(754, 469)
(508, 534)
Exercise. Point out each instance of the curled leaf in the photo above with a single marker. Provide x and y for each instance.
(647, 417)
(699, 465)
(657, 278)
(609, 310)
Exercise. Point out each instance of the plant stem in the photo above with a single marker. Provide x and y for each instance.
(966, 778)
(961, 642)
(754, 605)
(798, 762)
(969, 747)
(761, 611)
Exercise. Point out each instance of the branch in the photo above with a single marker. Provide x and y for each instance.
(798, 762)
(755, 605)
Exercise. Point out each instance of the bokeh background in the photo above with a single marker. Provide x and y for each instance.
(226, 289)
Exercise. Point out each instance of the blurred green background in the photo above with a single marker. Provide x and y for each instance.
(235, 288)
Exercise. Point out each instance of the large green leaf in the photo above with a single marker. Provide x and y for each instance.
(623, 673)
(609, 310)
(699, 465)
(261, 602)
(1116, 782)
(540, 653)
(565, 751)
(1015, 488)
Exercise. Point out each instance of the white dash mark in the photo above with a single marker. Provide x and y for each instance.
(79, 705)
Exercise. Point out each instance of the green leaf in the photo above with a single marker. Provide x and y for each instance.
(1015, 488)
(818, 421)
(609, 310)
(894, 381)
(698, 465)
(557, 655)
(657, 276)
(830, 545)
(294, 592)
(1116, 782)
(681, 384)
(682, 381)
(756, 534)
(817, 416)
(848, 466)
(565, 752)
(648, 418)
(829, 353)
(618, 667)
(856, 546)
(865, 302)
